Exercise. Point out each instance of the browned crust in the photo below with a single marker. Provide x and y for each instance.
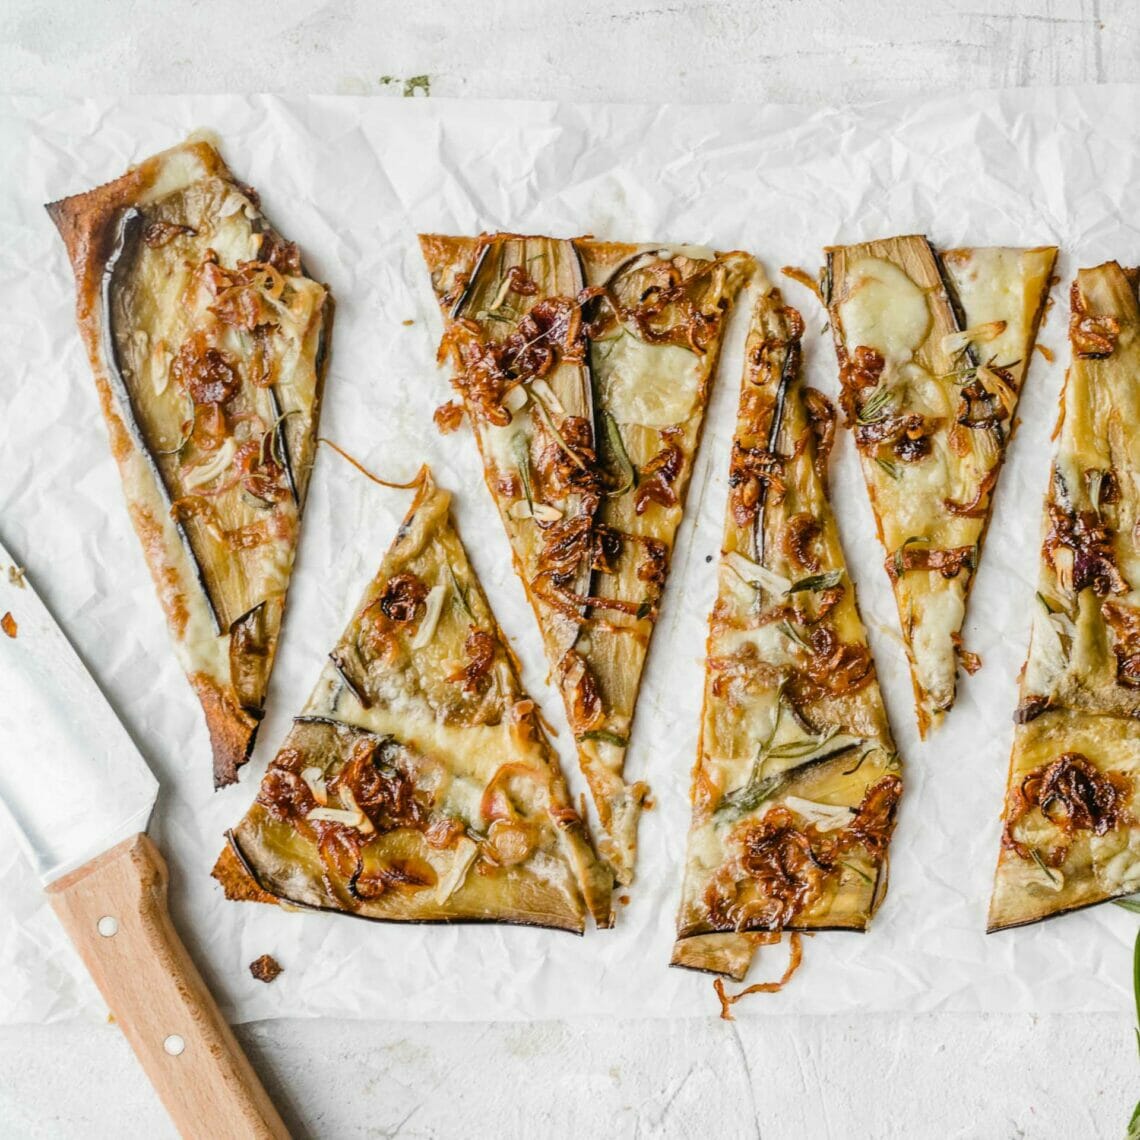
(232, 729)
(238, 884)
(240, 881)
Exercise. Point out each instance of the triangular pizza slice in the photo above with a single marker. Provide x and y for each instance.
(1071, 834)
(208, 341)
(797, 778)
(933, 350)
(584, 368)
(418, 784)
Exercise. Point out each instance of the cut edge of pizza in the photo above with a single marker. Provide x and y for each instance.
(797, 778)
(208, 343)
(1071, 818)
(933, 350)
(584, 368)
(418, 784)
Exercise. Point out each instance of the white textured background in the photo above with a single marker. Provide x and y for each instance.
(930, 1076)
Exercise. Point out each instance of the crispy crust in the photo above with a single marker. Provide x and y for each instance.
(88, 223)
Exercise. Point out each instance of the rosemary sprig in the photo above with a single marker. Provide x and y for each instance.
(544, 415)
(875, 407)
(816, 582)
(890, 468)
(1045, 868)
(615, 445)
(521, 449)
(607, 737)
(460, 593)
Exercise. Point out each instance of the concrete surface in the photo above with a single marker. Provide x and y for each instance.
(936, 1076)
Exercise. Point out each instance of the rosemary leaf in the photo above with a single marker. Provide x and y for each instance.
(607, 737)
(825, 581)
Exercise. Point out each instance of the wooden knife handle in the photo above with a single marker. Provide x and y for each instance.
(115, 911)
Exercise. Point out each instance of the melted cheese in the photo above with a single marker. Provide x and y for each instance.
(652, 385)
(884, 310)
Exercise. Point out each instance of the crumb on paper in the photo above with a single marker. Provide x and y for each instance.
(418, 85)
(623, 899)
(8, 625)
(266, 968)
(408, 321)
(16, 577)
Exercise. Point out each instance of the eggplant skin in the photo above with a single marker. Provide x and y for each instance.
(116, 238)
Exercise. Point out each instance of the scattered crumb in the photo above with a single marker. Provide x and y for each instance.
(9, 626)
(708, 557)
(623, 899)
(387, 80)
(266, 968)
(1046, 352)
(649, 804)
(16, 576)
(409, 321)
(417, 85)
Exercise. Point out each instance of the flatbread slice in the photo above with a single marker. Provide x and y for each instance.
(933, 351)
(584, 368)
(418, 785)
(208, 341)
(797, 778)
(1071, 835)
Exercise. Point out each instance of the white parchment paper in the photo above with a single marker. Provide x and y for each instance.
(353, 180)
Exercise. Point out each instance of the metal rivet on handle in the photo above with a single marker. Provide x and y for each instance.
(108, 926)
(174, 1045)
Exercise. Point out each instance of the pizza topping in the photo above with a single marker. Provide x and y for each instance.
(244, 296)
(208, 375)
(658, 476)
(1079, 549)
(754, 474)
(282, 255)
(675, 301)
(798, 537)
(907, 433)
(971, 662)
(402, 597)
(1091, 336)
(957, 342)
(433, 610)
(1124, 622)
(1072, 794)
(858, 371)
(981, 408)
(781, 866)
(580, 688)
(947, 562)
(480, 650)
(157, 234)
(834, 666)
(821, 421)
(978, 503)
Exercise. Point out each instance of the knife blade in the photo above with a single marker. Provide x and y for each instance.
(77, 785)
(81, 796)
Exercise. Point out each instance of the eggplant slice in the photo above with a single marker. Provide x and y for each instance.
(797, 778)
(423, 789)
(584, 368)
(1071, 834)
(208, 342)
(933, 350)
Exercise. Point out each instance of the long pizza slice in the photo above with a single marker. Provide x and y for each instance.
(418, 785)
(797, 778)
(208, 341)
(1071, 834)
(584, 368)
(933, 351)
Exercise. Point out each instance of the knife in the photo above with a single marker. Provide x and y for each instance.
(81, 804)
